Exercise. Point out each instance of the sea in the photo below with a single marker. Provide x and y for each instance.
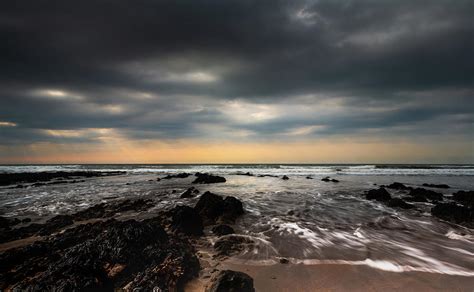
(303, 219)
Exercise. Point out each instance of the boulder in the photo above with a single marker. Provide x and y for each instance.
(454, 213)
(398, 186)
(328, 179)
(186, 220)
(232, 244)
(380, 194)
(205, 178)
(309, 177)
(222, 229)
(230, 281)
(189, 193)
(399, 203)
(212, 208)
(285, 178)
(421, 195)
(465, 197)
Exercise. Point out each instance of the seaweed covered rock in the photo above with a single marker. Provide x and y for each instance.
(465, 197)
(454, 213)
(422, 195)
(214, 208)
(380, 194)
(230, 281)
(186, 220)
(105, 256)
(205, 178)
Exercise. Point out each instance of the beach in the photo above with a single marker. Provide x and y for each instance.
(292, 227)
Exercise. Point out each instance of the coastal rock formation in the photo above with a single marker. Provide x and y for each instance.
(186, 220)
(189, 193)
(328, 179)
(399, 203)
(222, 229)
(35, 177)
(205, 178)
(423, 195)
(398, 186)
(104, 210)
(213, 208)
(380, 194)
(465, 197)
(178, 175)
(454, 213)
(439, 186)
(230, 281)
(285, 178)
(103, 256)
(232, 244)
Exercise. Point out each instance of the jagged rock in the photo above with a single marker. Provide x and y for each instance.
(104, 210)
(212, 207)
(205, 178)
(186, 220)
(284, 261)
(105, 256)
(398, 186)
(439, 186)
(178, 175)
(189, 193)
(380, 194)
(55, 224)
(421, 195)
(222, 229)
(465, 197)
(454, 213)
(230, 281)
(328, 179)
(232, 244)
(399, 203)
(285, 178)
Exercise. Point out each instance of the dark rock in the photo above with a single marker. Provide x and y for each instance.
(230, 281)
(189, 193)
(399, 203)
(186, 220)
(55, 224)
(285, 178)
(291, 212)
(38, 177)
(440, 186)
(104, 210)
(205, 178)
(465, 197)
(308, 177)
(398, 186)
(105, 256)
(284, 261)
(222, 229)
(380, 194)
(328, 179)
(267, 175)
(178, 175)
(212, 207)
(232, 244)
(245, 173)
(419, 194)
(454, 213)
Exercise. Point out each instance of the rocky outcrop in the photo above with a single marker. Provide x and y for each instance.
(222, 229)
(380, 194)
(214, 208)
(399, 203)
(285, 177)
(104, 256)
(465, 197)
(424, 195)
(36, 177)
(454, 213)
(178, 175)
(105, 210)
(189, 193)
(232, 244)
(398, 186)
(186, 220)
(328, 179)
(205, 178)
(230, 281)
(438, 186)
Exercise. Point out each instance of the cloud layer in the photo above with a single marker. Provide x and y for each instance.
(84, 72)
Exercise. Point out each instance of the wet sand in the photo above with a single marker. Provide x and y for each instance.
(340, 277)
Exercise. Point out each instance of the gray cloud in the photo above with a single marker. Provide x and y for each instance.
(235, 69)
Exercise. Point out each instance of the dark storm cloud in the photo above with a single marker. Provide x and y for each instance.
(167, 69)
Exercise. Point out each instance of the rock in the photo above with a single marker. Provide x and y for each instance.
(439, 186)
(205, 178)
(39, 177)
(465, 197)
(399, 203)
(284, 261)
(308, 177)
(178, 175)
(104, 210)
(454, 213)
(55, 224)
(380, 194)
(245, 173)
(419, 194)
(189, 193)
(291, 212)
(186, 220)
(398, 186)
(267, 175)
(328, 179)
(212, 207)
(222, 229)
(230, 281)
(232, 244)
(285, 178)
(104, 256)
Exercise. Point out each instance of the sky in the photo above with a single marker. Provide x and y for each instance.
(198, 81)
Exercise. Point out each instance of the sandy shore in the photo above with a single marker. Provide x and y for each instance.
(340, 277)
